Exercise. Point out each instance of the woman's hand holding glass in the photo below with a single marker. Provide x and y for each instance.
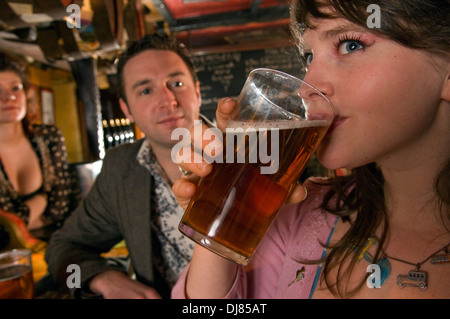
(184, 188)
(209, 271)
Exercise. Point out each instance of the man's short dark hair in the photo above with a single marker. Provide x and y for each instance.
(153, 42)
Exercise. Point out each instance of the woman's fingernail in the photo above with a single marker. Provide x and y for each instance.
(201, 166)
(306, 194)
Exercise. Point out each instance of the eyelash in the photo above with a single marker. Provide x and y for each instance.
(177, 84)
(341, 40)
(305, 57)
(144, 92)
(346, 38)
(174, 84)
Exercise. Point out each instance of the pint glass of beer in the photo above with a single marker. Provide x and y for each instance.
(266, 147)
(16, 276)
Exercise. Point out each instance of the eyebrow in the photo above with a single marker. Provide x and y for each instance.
(139, 83)
(331, 33)
(171, 75)
(15, 82)
(341, 29)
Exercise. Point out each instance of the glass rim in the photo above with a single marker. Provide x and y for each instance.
(17, 251)
(282, 73)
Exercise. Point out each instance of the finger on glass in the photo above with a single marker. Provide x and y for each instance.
(227, 108)
(271, 132)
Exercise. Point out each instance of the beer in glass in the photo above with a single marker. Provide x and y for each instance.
(16, 276)
(266, 147)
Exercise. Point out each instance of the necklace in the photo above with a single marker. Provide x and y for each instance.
(416, 277)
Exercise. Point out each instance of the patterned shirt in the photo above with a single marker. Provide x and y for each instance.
(172, 250)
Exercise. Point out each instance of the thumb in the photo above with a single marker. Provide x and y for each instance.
(297, 195)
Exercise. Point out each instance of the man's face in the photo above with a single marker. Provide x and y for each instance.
(161, 95)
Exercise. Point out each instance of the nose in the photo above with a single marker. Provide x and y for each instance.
(319, 83)
(6, 95)
(168, 98)
(316, 92)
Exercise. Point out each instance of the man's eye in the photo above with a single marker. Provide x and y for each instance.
(177, 84)
(144, 92)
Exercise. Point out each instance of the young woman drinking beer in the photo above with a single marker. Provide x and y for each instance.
(391, 213)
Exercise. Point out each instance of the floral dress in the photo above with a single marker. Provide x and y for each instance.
(60, 186)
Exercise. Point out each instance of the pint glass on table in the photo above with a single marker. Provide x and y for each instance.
(16, 276)
(266, 147)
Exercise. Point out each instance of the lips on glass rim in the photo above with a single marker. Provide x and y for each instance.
(336, 122)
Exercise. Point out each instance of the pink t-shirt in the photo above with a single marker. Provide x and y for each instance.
(298, 233)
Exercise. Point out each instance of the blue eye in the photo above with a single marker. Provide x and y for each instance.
(307, 58)
(144, 92)
(349, 46)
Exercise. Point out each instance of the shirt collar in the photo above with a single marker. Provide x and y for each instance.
(148, 160)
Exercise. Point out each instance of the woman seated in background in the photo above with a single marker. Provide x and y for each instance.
(35, 183)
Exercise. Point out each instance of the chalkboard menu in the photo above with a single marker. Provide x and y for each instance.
(223, 74)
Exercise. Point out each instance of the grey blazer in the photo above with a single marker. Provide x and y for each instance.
(117, 207)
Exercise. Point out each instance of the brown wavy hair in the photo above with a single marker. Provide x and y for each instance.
(9, 63)
(417, 24)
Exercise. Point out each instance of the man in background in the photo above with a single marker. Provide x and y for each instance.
(132, 197)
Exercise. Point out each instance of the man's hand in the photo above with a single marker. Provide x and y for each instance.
(113, 284)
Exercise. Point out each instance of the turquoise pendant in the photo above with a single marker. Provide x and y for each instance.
(383, 262)
(385, 267)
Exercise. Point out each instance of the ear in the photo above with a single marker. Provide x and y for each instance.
(126, 110)
(445, 94)
(198, 93)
